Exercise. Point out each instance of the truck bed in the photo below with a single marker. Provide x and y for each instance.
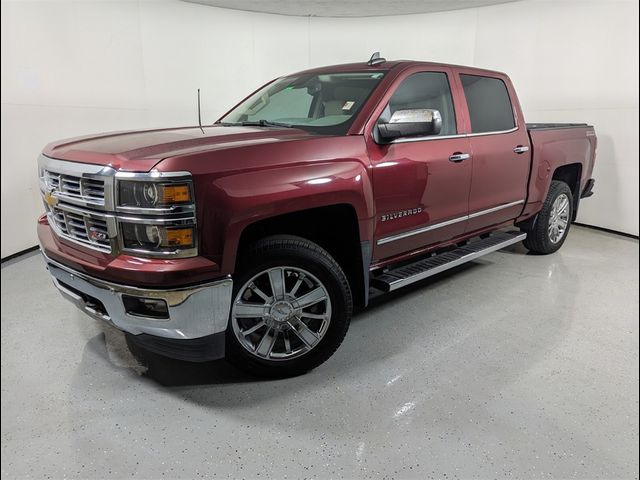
(567, 146)
(545, 126)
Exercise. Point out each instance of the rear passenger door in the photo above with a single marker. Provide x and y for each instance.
(500, 148)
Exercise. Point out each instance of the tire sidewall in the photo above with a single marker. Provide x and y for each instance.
(332, 278)
(557, 189)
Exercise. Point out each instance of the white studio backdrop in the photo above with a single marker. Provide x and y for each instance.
(71, 68)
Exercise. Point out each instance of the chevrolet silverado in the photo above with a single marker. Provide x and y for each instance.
(255, 238)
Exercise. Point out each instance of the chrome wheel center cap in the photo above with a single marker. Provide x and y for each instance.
(281, 311)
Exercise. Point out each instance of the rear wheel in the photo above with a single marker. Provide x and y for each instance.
(548, 231)
(291, 308)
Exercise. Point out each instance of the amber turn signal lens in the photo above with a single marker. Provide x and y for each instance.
(148, 194)
(175, 194)
(180, 237)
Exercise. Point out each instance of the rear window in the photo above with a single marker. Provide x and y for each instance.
(489, 104)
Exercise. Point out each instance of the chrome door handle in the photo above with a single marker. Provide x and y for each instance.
(521, 149)
(458, 157)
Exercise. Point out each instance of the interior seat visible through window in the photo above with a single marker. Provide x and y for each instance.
(344, 100)
(425, 90)
(325, 103)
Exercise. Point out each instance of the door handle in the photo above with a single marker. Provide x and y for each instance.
(458, 157)
(521, 149)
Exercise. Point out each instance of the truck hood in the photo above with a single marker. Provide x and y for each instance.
(141, 150)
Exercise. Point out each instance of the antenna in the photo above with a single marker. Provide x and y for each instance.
(376, 59)
(199, 116)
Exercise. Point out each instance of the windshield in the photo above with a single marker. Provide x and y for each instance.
(321, 103)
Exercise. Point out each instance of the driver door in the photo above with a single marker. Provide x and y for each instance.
(421, 184)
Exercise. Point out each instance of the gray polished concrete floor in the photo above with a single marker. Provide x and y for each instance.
(515, 366)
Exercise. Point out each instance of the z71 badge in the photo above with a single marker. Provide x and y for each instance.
(400, 214)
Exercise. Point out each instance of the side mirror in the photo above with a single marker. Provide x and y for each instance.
(418, 122)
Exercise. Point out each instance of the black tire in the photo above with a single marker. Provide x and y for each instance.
(297, 252)
(538, 237)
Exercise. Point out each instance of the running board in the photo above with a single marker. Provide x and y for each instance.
(398, 277)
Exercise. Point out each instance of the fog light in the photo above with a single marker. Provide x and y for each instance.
(145, 307)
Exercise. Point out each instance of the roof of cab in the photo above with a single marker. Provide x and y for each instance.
(390, 65)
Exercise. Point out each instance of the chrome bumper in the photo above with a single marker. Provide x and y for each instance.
(194, 312)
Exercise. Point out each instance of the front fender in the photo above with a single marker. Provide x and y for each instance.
(240, 199)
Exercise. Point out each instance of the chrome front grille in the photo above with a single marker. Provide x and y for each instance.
(78, 199)
(93, 188)
(86, 189)
(87, 229)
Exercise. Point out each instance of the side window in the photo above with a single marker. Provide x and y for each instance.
(425, 90)
(489, 104)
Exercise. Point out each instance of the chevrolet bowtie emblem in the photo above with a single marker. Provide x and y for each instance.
(51, 200)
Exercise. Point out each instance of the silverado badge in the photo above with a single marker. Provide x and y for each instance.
(400, 214)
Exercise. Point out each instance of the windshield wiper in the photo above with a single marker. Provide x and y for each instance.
(256, 123)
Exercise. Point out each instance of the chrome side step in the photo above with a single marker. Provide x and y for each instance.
(399, 277)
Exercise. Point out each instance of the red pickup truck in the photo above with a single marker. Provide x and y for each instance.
(254, 238)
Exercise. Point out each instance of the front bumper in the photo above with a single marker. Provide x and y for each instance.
(195, 313)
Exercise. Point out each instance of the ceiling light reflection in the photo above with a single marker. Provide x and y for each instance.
(319, 181)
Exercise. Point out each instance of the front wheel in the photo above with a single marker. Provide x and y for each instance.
(291, 308)
(549, 230)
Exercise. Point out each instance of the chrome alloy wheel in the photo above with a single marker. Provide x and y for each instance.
(559, 218)
(281, 313)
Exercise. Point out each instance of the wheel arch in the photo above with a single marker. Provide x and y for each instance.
(336, 228)
(571, 174)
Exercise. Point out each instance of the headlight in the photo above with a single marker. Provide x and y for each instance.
(157, 214)
(153, 194)
(157, 238)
